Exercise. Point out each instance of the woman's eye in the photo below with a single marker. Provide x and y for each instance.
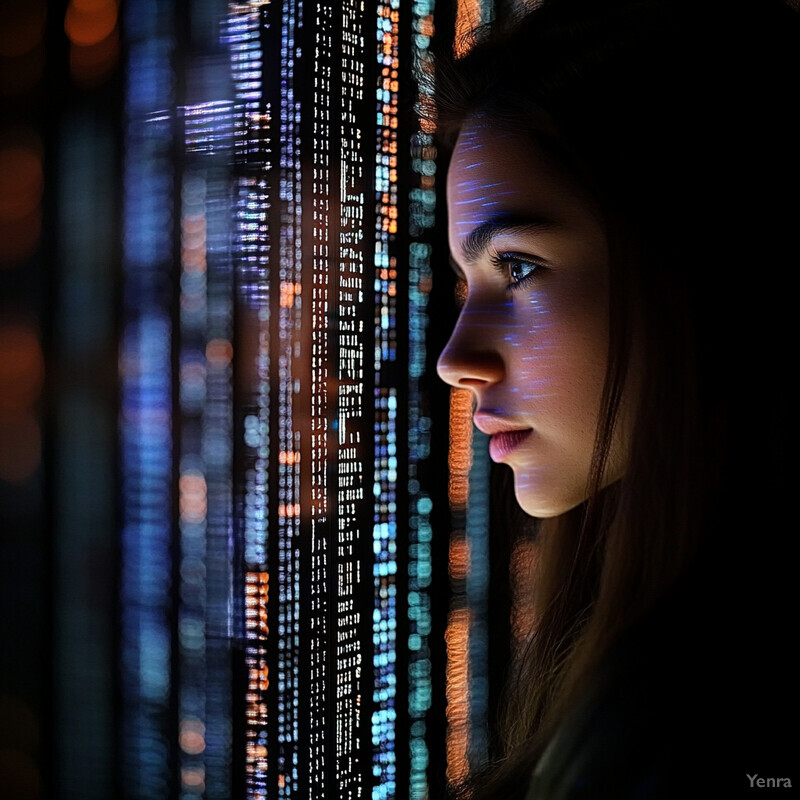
(518, 271)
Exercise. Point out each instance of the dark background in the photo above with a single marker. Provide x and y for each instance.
(60, 95)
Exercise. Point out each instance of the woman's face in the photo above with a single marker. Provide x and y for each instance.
(532, 338)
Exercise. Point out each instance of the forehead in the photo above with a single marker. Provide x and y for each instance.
(494, 173)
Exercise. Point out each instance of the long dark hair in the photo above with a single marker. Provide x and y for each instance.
(677, 117)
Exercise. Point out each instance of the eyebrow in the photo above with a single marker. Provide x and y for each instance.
(477, 241)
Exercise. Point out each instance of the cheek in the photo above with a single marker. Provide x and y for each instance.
(534, 345)
(561, 356)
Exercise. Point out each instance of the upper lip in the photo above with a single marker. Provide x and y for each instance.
(490, 425)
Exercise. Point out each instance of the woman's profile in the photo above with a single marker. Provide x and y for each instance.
(623, 213)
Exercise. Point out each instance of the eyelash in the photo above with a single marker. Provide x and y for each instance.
(503, 262)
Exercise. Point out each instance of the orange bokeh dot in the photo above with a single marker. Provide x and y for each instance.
(21, 367)
(87, 23)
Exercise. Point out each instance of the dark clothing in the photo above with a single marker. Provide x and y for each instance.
(697, 701)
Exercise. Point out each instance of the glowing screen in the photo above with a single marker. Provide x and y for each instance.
(276, 553)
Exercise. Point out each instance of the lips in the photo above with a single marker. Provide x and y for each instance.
(506, 435)
(501, 444)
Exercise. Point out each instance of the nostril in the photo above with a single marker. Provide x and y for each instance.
(472, 383)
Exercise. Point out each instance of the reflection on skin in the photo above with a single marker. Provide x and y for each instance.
(531, 341)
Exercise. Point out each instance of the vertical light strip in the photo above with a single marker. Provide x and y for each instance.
(192, 485)
(205, 452)
(84, 449)
(146, 400)
(521, 569)
(352, 294)
(457, 634)
(251, 249)
(384, 531)
(421, 219)
(321, 374)
(476, 591)
(288, 348)
(470, 14)
(217, 452)
(467, 629)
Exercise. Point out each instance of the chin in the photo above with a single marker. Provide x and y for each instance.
(541, 505)
(545, 505)
(544, 508)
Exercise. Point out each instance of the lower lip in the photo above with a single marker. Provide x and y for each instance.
(502, 444)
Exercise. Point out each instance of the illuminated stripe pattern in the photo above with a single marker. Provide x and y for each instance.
(421, 218)
(242, 35)
(205, 448)
(296, 259)
(384, 531)
(146, 419)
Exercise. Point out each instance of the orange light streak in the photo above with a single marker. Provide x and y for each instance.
(460, 455)
(289, 290)
(522, 570)
(459, 558)
(458, 628)
(457, 694)
(468, 17)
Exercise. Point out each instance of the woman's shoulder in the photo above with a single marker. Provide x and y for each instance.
(673, 711)
(613, 743)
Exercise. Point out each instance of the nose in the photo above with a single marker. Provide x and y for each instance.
(469, 359)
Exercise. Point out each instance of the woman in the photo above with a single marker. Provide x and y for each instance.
(623, 213)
